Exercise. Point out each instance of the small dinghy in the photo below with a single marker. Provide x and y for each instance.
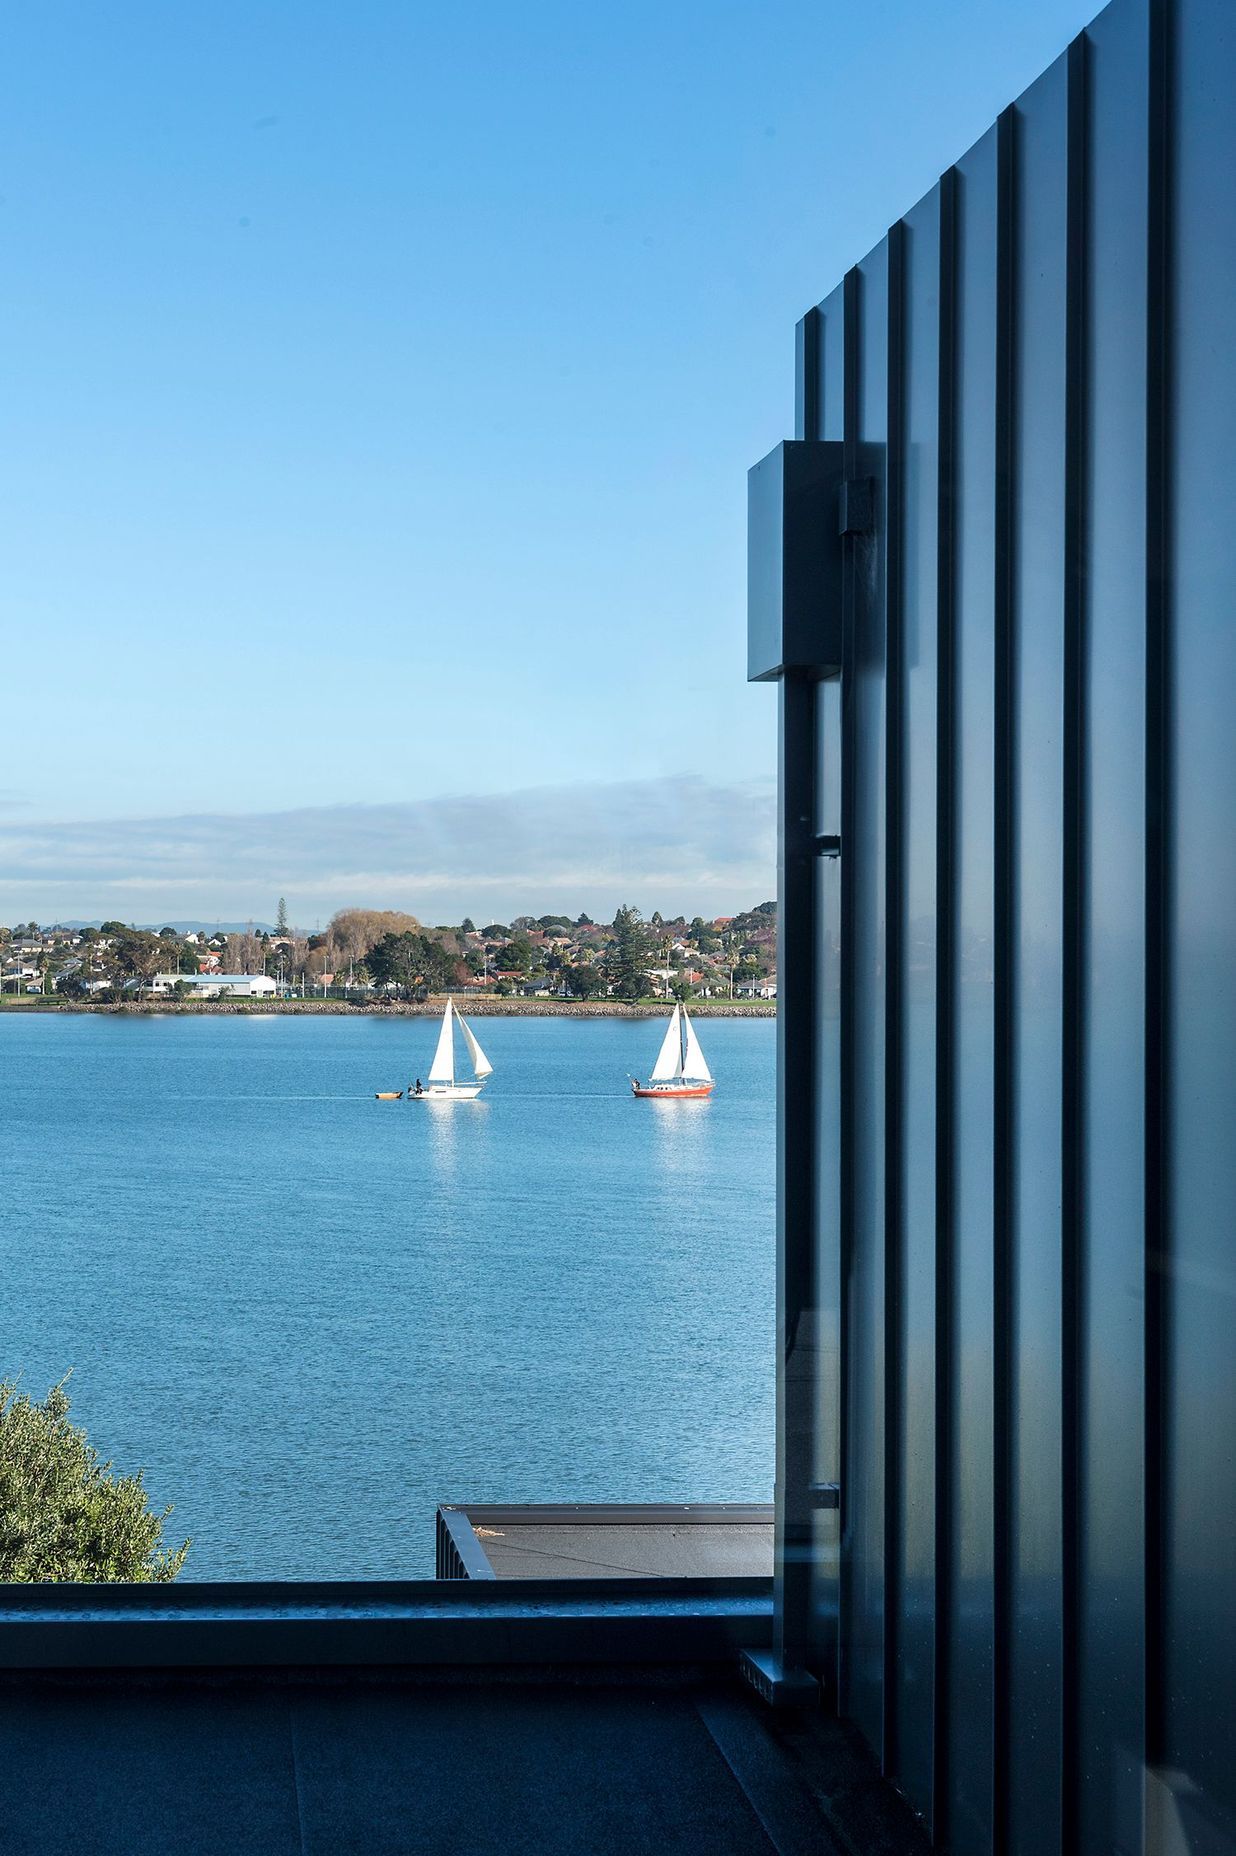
(388, 1095)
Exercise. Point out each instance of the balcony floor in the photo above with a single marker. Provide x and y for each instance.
(610, 1763)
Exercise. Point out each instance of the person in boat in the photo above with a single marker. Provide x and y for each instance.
(418, 1091)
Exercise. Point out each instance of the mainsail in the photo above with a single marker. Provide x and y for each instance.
(669, 1059)
(693, 1064)
(442, 1069)
(480, 1062)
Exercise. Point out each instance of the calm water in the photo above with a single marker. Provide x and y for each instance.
(312, 1316)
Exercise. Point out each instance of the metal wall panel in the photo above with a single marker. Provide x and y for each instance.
(911, 1394)
(967, 1597)
(863, 683)
(821, 415)
(1024, 968)
(1110, 1489)
(1030, 1709)
(1196, 778)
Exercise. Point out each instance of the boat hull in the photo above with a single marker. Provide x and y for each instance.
(389, 1095)
(447, 1092)
(672, 1092)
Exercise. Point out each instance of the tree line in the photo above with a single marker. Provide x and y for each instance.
(394, 950)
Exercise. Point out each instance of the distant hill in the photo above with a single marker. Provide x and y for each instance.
(181, 927)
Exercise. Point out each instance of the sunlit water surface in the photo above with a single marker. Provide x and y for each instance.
(312, 1316)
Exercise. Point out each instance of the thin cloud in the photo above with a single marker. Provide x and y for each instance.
(672, 844)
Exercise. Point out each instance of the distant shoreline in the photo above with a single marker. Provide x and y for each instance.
(428, 1008)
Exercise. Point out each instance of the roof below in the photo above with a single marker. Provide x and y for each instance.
(529, 1552)
(603, 1541)
(316, 1764)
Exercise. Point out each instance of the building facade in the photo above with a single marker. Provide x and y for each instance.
(218, 985)
(995, 577)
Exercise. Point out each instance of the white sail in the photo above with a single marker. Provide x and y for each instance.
(480, 1062)
(669, 1059)
(693, 1064)
(442, 1069)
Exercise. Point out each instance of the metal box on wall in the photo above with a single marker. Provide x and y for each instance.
(794, 561)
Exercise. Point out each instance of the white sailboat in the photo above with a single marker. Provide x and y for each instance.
(441, 1086)
(680, 1071)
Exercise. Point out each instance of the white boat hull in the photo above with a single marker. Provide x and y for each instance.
(446, 1092)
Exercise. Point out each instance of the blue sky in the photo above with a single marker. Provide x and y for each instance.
(379, 384)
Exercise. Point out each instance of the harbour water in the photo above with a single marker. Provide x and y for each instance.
(311, 1316)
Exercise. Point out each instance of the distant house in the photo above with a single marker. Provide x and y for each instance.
(756, 989)
(218, 985)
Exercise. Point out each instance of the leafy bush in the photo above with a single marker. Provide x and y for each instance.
(63, 1514)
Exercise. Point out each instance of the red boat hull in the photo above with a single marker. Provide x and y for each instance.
(682, 1093)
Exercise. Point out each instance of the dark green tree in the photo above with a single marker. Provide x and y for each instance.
(516, 956)
(584, 982)
(64, 1515)
(630, 955)
(412, 963)
(281, 917)
(139, 955)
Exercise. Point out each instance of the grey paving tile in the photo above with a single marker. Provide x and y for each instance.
(157, 1770)
(519, 1769)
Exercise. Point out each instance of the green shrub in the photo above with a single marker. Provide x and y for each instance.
(63, 1514)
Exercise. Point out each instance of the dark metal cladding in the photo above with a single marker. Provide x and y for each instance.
(913, 949)
(865, 664)
(1194, 1244)
(1019, 948)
